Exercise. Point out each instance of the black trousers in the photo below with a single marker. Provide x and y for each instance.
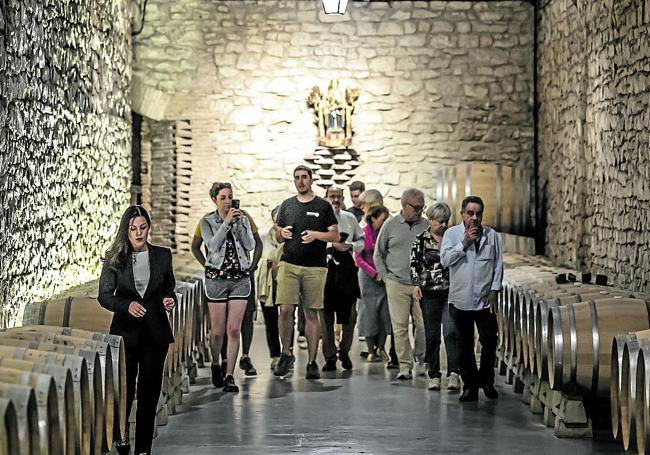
(327, 333)
(144, 365)
(486, 324)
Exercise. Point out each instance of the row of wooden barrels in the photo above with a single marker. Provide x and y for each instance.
(63, 390)
(574, 335)
(66, 347)
(630, 390)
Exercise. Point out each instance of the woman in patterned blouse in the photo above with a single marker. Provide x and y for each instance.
(228, 238)
(431, 288)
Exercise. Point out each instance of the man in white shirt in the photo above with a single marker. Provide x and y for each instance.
(473, 255)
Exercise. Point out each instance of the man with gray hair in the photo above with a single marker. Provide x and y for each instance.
(392, 261)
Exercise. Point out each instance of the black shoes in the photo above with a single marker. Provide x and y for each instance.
(284, 364)
(217, 377)
(346, 362)
(229, 384)
(490, 392)
(469, 395)
(330, 365)
(246, 364)
(312, 371)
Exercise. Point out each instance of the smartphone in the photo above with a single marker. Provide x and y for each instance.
(235, 204)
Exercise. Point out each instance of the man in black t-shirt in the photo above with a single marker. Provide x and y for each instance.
(305, 224)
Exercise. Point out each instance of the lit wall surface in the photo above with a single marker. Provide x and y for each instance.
(64, 143)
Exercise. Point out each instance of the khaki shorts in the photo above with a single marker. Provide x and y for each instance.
(304, 284)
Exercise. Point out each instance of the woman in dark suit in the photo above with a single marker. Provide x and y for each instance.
(137, 284)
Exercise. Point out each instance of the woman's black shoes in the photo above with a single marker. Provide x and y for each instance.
(217, 378)
(229, 384)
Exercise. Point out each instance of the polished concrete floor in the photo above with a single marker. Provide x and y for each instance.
(364, 411)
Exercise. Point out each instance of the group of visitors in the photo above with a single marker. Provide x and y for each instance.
(337, 267)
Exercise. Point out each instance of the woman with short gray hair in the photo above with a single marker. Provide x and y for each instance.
(431, 288)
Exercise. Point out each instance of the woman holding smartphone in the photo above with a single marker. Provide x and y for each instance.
(228, 238)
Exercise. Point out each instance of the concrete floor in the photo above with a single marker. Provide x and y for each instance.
(364, 411)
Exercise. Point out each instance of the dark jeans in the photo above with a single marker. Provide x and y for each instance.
(327, 332)
(271, 314)
(435, 310)
(486, 324)
(144, 363)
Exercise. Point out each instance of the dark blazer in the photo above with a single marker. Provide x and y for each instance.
(117, 291)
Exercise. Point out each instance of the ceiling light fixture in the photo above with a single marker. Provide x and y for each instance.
(335, 7)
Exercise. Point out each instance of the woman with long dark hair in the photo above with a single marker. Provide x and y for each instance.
(137, 284)
(228, 238)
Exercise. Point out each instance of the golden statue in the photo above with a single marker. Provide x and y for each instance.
(333, 114)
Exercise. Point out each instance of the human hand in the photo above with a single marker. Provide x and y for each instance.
(308, 236)
(341, 246)
(417, 293)
(492, 301)
(287, 232)
(471, 235)
(233, 215)
(169, 303)
(136, 310)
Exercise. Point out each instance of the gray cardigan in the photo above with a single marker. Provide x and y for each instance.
(214, 232)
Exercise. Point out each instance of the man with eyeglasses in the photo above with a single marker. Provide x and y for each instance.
(473, 255)
(392, 261)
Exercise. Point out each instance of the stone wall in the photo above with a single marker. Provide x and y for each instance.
(64, 143)
(441, 83)
(594, 116)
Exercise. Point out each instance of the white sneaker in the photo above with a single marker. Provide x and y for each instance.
(453, 382)
(434, 384)
(404, 373)
(420, 368)
(362, 338)
(302, 342)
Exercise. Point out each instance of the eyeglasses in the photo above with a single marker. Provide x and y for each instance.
(417, 208)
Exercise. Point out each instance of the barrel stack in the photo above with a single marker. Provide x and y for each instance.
(567, 340)
(63, 376)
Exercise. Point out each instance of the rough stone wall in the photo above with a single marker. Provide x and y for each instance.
(595, 111)
(65, 70)
(441, 82)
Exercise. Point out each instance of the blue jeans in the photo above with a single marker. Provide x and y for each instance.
(435, 311)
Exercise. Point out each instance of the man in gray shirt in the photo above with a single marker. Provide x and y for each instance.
(473, 255)
(392, 261)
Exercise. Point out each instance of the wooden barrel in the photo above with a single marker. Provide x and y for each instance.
(504, 190)
(47, 401)
(87, 345)
(628, 391)
(9, 433)
(78, 312)
(642, 411)
(579, 343)
(24, 401)
(615, 384)
(65, 392)
(116, 344)
(86, 401)
(543, 307)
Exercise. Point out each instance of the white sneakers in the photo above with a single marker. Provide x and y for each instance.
(404, 374)
(453, 382)
(420, 368)
(434, 384)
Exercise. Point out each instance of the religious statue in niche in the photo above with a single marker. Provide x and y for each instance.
(333, 113)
